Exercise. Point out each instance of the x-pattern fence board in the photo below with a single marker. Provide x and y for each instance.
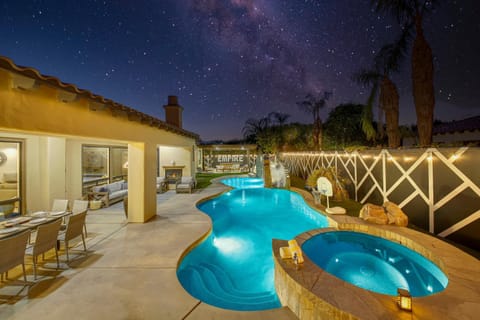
(355, 166)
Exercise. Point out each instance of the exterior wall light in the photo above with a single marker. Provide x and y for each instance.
(404, 299)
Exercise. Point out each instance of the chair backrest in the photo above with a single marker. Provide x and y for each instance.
(12, 251)
(46, 237)
(160, 179)
(59, 205)
(79, 206)
(187, 180)
(75, 225)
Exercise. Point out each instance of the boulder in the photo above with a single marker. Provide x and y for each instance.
(395, 215)
(373, 213)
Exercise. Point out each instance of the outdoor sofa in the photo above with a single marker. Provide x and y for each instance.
(109, 193)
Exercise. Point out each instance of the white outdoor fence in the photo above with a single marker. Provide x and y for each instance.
(437, 188)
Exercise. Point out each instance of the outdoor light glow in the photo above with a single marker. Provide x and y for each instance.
(404, 300)
(227, 245)
(10, 152)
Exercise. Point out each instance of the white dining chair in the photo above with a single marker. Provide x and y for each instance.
(59, 205)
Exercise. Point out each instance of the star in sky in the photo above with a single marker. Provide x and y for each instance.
(230, 60)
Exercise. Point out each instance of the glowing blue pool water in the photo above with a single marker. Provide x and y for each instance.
(243, 182)
(233, 267)
(374, 263)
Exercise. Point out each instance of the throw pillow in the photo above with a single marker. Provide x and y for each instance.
(10, 177)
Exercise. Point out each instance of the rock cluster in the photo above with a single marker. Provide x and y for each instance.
(389, 213)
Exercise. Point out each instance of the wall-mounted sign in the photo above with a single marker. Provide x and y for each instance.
(230, 158)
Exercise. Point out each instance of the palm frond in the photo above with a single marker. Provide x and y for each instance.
(278, 117)
(307, 104)
(390, 56)
(403, 10)
(429, 5)
(366, 77)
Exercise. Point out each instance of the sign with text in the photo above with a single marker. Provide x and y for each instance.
(230, 158)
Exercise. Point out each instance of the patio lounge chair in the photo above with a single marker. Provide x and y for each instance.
(162, 184)
(185, 184)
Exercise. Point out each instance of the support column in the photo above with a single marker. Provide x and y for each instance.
(142, 194)
(54, 170)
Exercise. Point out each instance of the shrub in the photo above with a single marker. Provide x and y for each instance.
(340, 193)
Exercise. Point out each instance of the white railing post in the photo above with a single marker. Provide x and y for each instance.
(355, 174)
(336, 163)
(431, 200)
(384, 176)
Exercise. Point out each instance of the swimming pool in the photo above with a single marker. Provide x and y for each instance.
(243, 182)
(374, 263)
(233, 267)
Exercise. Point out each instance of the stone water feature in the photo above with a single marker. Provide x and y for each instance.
(279, 174)
(273, 173)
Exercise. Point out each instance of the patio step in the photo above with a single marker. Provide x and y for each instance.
(211, 285)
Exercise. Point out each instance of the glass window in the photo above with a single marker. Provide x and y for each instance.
(95, 165)
(10, 178)
(103, 164)
(119, 163)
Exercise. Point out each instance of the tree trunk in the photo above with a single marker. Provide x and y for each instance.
(316, 134)
(422, 78)
(389, 102)
(320, 135)
(267, 174)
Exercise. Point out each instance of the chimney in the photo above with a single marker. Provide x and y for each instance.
(173, 112)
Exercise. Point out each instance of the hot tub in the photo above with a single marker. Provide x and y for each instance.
(374, 263)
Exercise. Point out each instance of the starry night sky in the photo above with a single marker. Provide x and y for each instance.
(230, 60)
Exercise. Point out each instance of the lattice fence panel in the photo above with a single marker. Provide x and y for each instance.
(408, 176)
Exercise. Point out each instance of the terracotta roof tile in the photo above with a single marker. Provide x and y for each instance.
(141, 117)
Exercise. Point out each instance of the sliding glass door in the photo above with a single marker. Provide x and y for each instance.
(103, 164)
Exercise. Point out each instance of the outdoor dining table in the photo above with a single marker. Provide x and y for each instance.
(13, 226)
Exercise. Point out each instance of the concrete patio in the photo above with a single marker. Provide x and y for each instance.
(128, 273)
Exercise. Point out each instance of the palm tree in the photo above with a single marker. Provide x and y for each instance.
(253, 127)
(278, 120)
(411, 12)
(313, 105)
(262, 133)
(278, 117)
(387, 61)
(370, 77)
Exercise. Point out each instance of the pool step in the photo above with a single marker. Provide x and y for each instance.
(212, 285)
(215, 276)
